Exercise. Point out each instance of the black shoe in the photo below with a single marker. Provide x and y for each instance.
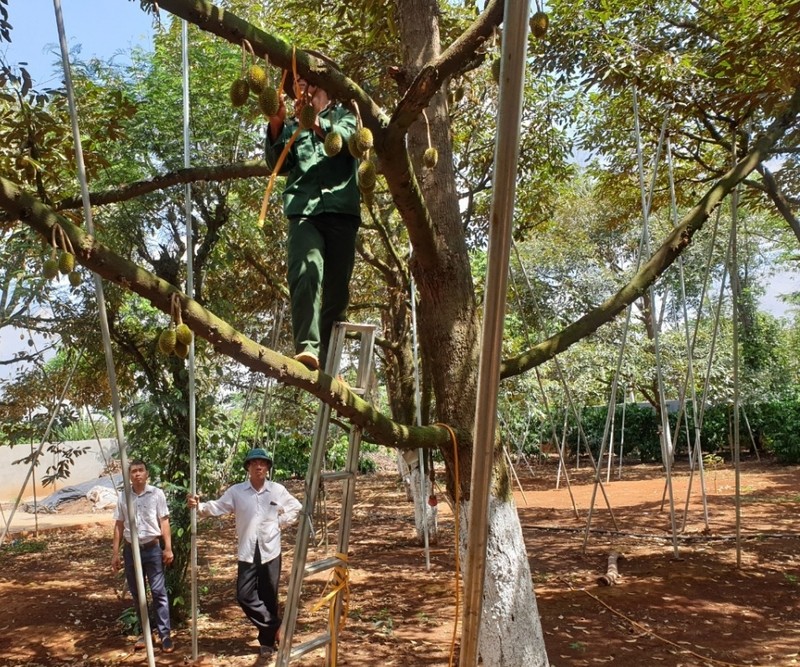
(167, 646)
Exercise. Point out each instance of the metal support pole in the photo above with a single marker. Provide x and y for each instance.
(512, 75)
(104, 329)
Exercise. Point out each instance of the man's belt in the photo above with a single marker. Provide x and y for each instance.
(146, 545)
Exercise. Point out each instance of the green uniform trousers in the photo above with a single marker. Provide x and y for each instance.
(321, 255)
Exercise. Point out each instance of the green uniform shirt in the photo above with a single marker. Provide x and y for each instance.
(316, 183)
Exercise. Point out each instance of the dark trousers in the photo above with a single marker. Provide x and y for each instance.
(153, 570)
(257, 593)
(321, 255)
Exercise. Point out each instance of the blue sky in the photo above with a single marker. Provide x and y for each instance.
(102, 28)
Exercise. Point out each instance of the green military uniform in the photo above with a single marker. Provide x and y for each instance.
(322, 202)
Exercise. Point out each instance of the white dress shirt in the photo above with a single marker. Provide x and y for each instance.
(150, 506)
(260, 516)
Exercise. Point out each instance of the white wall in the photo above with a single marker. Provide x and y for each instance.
(86, 467)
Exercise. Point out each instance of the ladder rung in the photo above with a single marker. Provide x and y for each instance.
(359, 391)
(336, 475)
(310, 645)
(352, 326)
(323, 564)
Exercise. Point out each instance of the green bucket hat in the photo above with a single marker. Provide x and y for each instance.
(258, 453)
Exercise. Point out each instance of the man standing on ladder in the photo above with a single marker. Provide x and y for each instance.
(323, 204)
(262, 509)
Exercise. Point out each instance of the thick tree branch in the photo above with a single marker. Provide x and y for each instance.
(225, 339)
(450, 62)
(229, 172)
(781, 202)
(669, 251)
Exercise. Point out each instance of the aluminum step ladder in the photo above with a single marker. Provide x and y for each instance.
(301, 569)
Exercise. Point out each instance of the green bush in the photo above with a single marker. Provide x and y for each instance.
(776, 425)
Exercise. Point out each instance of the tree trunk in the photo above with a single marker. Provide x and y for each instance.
(449, 331)
(511, 632)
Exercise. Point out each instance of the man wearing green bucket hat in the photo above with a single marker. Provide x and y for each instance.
(262, 508)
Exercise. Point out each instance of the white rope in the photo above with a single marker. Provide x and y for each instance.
(101, 306)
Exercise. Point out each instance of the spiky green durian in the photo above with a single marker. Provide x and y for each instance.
(167, 340)
(333, 143)
(66, 262)
(367, 175)
(268, 101)
(361, 143)
(74, 278)
(307, 118)
(430, 157)
(539, 23)
(183, 334)
(256, 79)
(496, 70)
(181, 350)
(50, 268)
(239, 92)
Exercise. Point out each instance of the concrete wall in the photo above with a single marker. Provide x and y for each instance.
(86, 467)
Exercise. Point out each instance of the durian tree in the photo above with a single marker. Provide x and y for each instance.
(428, 51)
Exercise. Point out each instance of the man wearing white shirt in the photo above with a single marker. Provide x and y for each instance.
(262, 508)
(152, 525)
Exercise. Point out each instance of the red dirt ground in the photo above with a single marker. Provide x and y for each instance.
(60, 606)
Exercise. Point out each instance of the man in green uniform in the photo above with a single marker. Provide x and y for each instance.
(322, 202)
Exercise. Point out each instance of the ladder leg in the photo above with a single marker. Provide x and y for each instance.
(300, 568)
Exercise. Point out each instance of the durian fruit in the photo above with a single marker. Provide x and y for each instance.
(183, 334)
(74, 278)
(268, 101)
(430, 157)
(181, 350)
(539, 23)
(66, 262)
(361, 142)
(351, 146)
(367, 175)
(50, 266)
(308, 116)
(333, 143)
(239, 92)
(167, 341)
(256, 79)
(496, 70)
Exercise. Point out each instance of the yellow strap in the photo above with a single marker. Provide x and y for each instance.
(339, 584)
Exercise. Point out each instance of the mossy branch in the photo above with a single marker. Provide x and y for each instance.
(93, 255)
(669, 251)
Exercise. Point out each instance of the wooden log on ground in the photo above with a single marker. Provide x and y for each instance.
(612, 572)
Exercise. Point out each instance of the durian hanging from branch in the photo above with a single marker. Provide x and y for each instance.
(177, 338)
(361, 141)
(539, 22)
(240, 88)
(282, 157)
(62, 258)
(431, 156)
